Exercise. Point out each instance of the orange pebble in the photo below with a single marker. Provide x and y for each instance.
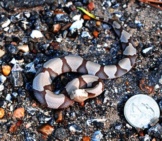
(2, 113)
(6, 69)
(19, 113)
(95, 33)
(86, 138)
(46, 129)
(98, 23)
(86, 17)
(91, 6)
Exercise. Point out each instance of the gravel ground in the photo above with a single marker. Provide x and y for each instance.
(21, 56)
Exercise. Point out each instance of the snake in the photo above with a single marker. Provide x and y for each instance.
(88, 85)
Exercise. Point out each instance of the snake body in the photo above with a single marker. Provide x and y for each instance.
(95, 72)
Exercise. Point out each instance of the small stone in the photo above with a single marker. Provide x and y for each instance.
(36, 34)
(60, 117)
(98, 23)
(9, 98)
(6, 23)
(24, 48)
(77, 17)
(91, 6)
(2, 78)
(95, 33)
(2, 113)
(2, 52)
(144, 87)
(19, 113)
(6, 69)
(61, 133)
(97, 136)
(46, 129)
(146, 50)
(30, 68)
(160, 80)
(13, 128)
(156, 131)
(86, 17)
(86, 138)
(17, 77)
(56, 28)
(1, 87)
(86, 34)
(76, 25)
(75, 128)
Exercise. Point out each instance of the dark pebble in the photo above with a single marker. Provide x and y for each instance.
(61, 133)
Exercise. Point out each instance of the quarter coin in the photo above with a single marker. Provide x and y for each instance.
(140, 110)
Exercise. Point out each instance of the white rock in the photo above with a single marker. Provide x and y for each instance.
(1, 87)
(160, 80)
(85, 34)
(2, 52)
(6, 23)
(36, 34)
(147, 50)
(27, 14)
(76, 25)
(2, 78)
(24, 48)
(8, 97)
(76, 17)
(30, 67)
(13, 61)
(6, 29)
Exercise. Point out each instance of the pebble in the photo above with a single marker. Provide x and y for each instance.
(90, 121)
(56, 28)
(9, 98)
(30, 68)
(91, 6)
(6, 23)
(146, 50)
(76, 25)
(156, 131)
(61, 133)
(2, 113)
(19, 113)
(36, 34)
(76, 17)
(2, 78)
(17, 77)
(86, 138)
(160, 80)
(1, 87)
(97, 136)
(75, 128)
(2, 52)
(6, 69)
(24, 48)
(160, 105)
(85, 34)
(46, 129)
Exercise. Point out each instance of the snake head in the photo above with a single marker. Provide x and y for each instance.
(79, 95)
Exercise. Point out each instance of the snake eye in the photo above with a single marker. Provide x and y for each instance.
(79, 95)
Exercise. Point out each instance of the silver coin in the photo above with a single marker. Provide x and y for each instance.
(140, 110)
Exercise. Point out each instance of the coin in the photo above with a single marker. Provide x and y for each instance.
(140, 110)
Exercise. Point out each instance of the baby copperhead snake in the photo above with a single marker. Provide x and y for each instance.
(95, 72)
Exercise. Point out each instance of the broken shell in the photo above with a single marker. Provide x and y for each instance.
(6, 69)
